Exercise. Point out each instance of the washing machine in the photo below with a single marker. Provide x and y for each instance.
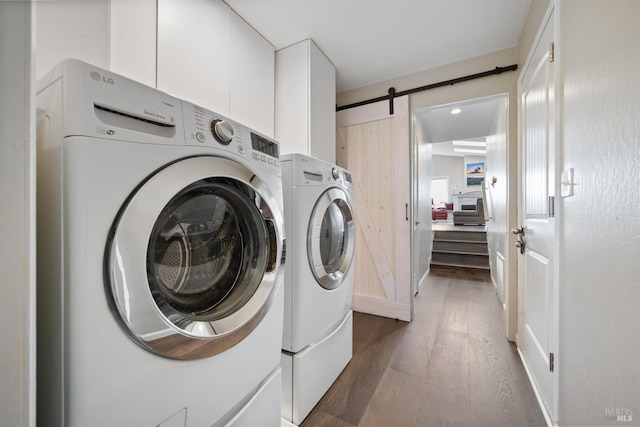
(318, 327)
(160, 241)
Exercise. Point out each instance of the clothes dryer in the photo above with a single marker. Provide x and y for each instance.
(160, 253)
(318, 331)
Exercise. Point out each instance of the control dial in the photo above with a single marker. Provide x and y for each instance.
(222, 131)
(335, 173)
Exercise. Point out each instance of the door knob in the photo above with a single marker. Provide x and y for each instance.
(519, 230)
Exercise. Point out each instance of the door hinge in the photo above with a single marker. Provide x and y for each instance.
(552, 52)
(551, 362)
(552, 206)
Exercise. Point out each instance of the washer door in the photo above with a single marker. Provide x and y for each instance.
(193, 258)
(330, 239)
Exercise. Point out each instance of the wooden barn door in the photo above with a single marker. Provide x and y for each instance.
(374, 146)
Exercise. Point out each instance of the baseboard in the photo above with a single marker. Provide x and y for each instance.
(382, 307)
(424, 278)
(542, 406)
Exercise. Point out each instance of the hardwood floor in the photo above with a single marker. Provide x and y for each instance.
(451, 366)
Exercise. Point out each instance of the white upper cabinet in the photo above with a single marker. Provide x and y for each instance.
(252, 84)
(133, 39)
(209, 56)
(71, 29)
(194, 51)
(198, 50)
(306, 101)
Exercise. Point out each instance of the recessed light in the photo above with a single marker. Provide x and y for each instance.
(470, 143)
(456, 111)
(469, 151)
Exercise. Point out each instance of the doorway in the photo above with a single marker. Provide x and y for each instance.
(447, 139)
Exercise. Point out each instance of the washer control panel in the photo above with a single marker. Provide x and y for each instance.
(208, 129)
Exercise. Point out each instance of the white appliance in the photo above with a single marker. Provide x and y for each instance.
(318, 327)
(160, 249)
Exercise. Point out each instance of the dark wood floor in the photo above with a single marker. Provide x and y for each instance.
(451, 366)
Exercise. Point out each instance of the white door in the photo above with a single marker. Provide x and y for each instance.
(374, 146)
(537, 323)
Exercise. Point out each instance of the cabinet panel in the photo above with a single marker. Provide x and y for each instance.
(71, 29)
(305, 101)
(133, 39)
(292, 94)
(323, 106)
(194, 51)
(251, 78)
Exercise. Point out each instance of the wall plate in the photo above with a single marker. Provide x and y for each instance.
(566, 183)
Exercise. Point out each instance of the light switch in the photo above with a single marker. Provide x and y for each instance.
(566, 183)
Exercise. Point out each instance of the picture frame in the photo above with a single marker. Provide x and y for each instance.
(475, 173)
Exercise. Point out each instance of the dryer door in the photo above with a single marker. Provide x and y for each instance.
(194, 256)
(330, 240)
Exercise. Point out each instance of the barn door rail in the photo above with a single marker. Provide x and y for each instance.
(393, 94)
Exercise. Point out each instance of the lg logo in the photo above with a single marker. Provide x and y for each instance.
(97, 77)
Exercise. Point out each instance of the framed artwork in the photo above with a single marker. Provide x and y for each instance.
(475, 173)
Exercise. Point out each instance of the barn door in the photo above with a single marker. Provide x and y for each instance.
(537, 323)
(374, 146)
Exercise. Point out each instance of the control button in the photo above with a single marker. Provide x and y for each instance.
(240, 149)
(335, 173)
(277, 163)
(200, 137)
(256, 156)
(270, 161)
(221, 131)
(263, 158)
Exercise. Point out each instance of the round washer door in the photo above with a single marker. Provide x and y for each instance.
(193, 259)
(330, 240)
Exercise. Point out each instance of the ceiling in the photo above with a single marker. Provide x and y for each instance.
(370, 41)
(473, 123)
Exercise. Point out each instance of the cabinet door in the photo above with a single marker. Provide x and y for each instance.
(194, 51)
(306, 101)
(133, 39)
(251, 78)
(322, 81)
(71, 29)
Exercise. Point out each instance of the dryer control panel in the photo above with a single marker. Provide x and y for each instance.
(206, 128)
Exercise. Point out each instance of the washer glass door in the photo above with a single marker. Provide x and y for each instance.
(193, 261)
(331, 238)
(206, 254)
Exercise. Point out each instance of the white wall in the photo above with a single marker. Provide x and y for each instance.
(450, 166)
(423, 237)
(599, 58)
(17, 227)
(496, 199)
